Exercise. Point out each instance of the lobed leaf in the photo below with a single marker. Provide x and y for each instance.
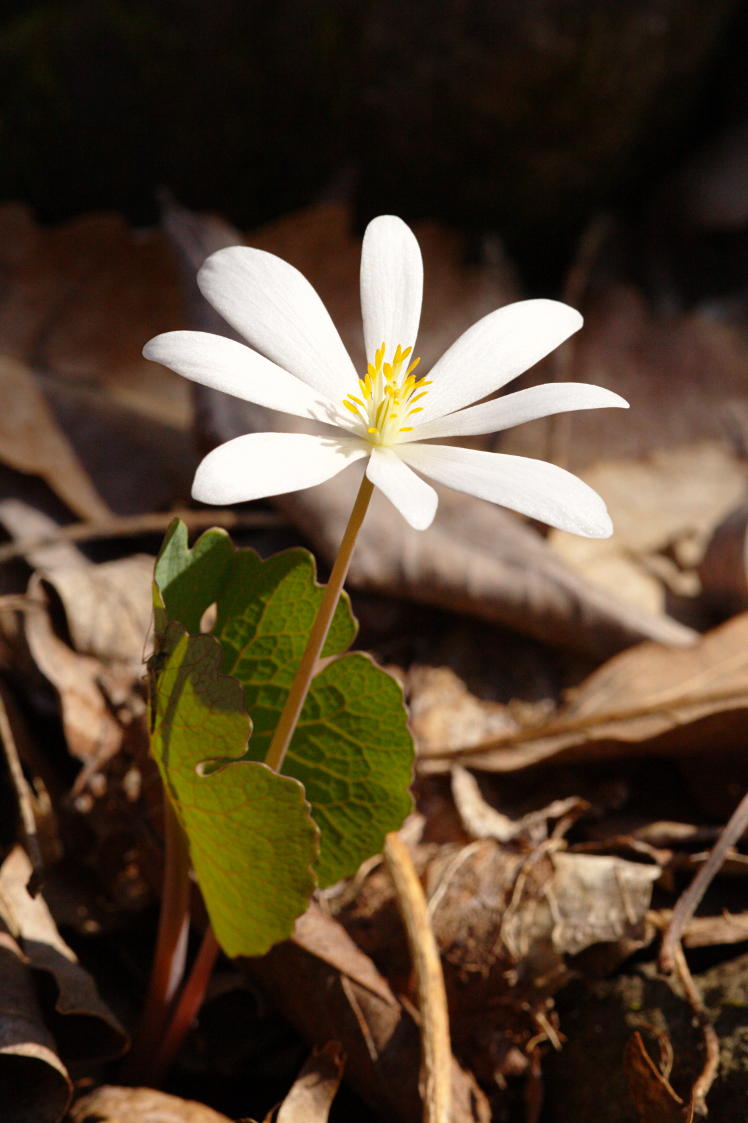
(352, 749)
(252, 840)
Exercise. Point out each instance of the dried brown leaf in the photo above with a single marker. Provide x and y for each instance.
(651, 698)
(110, 1104)
(83, 1025)
(31, 441)
(34, 1083)
(664, 507)
(314, 1089)
(653, 1095)
(481, 820)
(79, 299)
(97, 667)
(92, 730)
(327, 993)
(682, 373)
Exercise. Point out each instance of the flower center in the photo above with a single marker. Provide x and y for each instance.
(389, 392)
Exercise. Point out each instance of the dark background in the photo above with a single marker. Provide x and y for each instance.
(523, 117)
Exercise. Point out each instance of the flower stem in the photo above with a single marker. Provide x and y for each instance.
(303, 677)
(171, 946)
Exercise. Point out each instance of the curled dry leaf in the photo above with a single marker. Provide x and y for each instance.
(481, 820)
(83, 1025)
(476, 558)
(331, 990)
(504, 921)
(664, 507)
(34, 1083)
(31, 441)
(110, 1104)
(96, 669)
(651, 699)
(724, 568)
(310, 1099)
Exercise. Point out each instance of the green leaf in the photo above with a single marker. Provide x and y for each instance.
(186, 582)
(252, 840)
(352, 749)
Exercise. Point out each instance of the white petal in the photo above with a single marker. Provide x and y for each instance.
(223, 364)
(391, 285)
(532, 487)
(415, 500)
(515, 409)
(273, 306)
(262, 464)
(495, 350)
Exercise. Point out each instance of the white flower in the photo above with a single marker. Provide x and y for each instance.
(296, 363)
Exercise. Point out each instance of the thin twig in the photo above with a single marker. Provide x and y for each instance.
(25, 799)
(432, 998)
(706, 1078)
(690, 900)
(125, 526)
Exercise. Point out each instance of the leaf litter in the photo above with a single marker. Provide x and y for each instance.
(556, 827)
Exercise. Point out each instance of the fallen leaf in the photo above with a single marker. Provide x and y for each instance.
(92, 730)
(664, 508)
(110, 1104)
(330, 990)
(652, 1093)
(84, 1027)
(651, 699)
(310, 1099)
(481, 820)
(724, 566)
(682, 374)
(31, 441)
(505, 918)
(36, 1085)
(97, 667)
(80, 298)
(318, 934)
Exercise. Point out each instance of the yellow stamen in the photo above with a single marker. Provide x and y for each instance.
(388, 393)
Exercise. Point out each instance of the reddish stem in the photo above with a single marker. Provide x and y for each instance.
(171, 949)
(187, 1005)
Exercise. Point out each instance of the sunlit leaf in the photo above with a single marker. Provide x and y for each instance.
(352, 749)
(252, 841)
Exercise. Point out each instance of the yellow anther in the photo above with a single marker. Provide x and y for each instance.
(387, 394)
